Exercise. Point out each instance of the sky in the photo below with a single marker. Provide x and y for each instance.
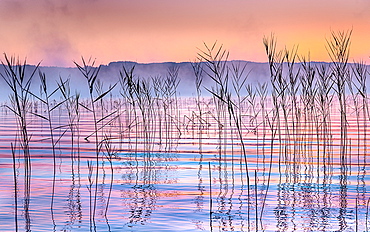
(60, 32)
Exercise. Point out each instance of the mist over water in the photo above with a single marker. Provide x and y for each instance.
(110, 74)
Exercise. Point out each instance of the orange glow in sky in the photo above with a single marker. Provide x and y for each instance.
(58, 32)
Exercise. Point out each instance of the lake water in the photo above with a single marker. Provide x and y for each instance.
(177, 172)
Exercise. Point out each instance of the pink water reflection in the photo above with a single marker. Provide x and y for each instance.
(293, 182)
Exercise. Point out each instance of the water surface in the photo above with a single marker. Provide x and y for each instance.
(184, 175)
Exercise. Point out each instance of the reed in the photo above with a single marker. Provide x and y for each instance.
(18, 79)
(145, 104)
(239, 77)
(323, 102)
(159, 104)
(278, 84)
(311, 118)
(289, 101)
(171, 84)
(19, 83)
(338, 50)
(96, 95)
(72, 105)
(127, 91)
(271, 121)
(198, 72)
(360, 72)
(216, 68)
(45, 98)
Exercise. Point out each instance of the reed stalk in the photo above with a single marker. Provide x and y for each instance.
(15, 187)
(210, 195)
(367, 214)
(89, 188)
(110, 154)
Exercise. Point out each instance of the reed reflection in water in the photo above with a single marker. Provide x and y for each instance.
(196, 183)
